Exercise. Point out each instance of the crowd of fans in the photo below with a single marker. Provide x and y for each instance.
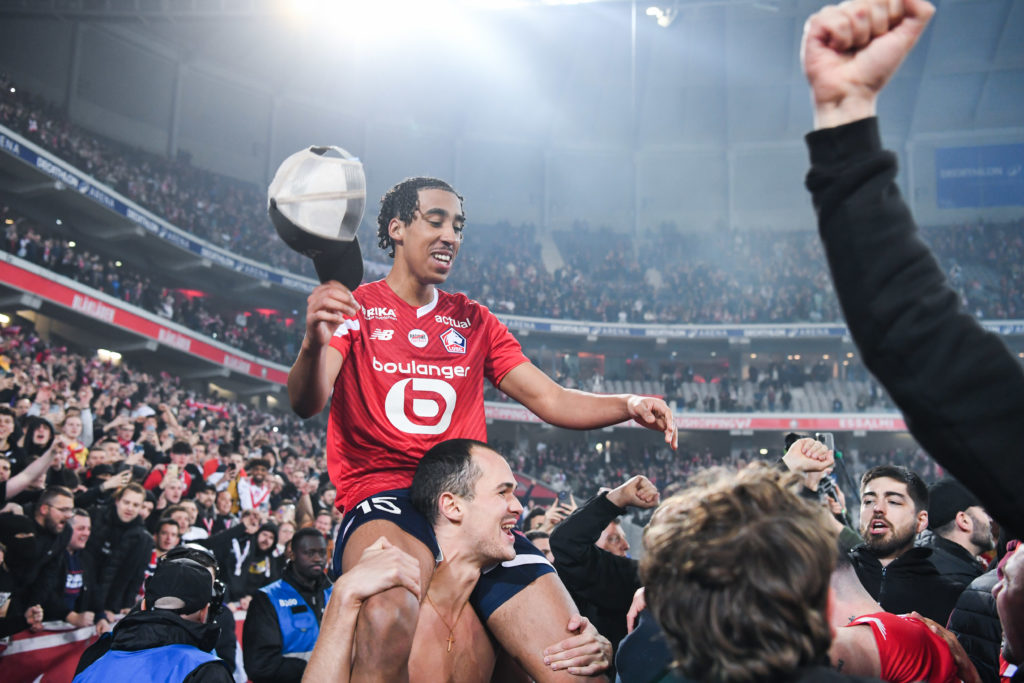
(663, 276)
(107, 470)
(271, 337)
(226, 212)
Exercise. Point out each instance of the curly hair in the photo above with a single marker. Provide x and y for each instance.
(737, 574)
(401, 202)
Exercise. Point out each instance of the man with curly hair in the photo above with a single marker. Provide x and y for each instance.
(737, 574)
(406, 363)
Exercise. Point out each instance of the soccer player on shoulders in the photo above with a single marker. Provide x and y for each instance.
(406, 364)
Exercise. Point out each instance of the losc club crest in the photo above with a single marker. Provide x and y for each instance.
(453, 341)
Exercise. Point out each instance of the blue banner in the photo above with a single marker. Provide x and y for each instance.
(972, 177)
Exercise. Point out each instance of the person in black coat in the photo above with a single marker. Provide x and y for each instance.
(959, 530)
(169, 640)
(274, 652)
(975, 623)
(600, 582)
(900, 576)
(42, 581)
(117, 554)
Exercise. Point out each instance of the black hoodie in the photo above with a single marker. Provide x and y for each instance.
(117, 555)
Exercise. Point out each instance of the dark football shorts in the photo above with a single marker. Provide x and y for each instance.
(495, 586)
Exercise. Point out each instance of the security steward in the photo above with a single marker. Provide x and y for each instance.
(169, 639)
(283, 621)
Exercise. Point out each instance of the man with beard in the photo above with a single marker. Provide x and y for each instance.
(205, 495)
(117, 554)
(44, 582)
(961, 531)
(252, 564)
(254, 490)
(894, 509)
(283, 621)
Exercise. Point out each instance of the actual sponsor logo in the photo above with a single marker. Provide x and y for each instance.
(452, 322)
(380, 313)
(382, 335)
(418, 338)
(289, 602)
(453, 341)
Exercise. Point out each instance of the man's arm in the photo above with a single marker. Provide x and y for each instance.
(587, 570)
(961, 391)
(574, 409)
(262, 645)
(312, 376)
(381, 566)
(21, 480)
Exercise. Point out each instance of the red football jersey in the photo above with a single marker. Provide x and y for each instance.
(411, 378)
(908, 650)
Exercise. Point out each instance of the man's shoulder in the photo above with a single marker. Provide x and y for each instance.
(460, 303)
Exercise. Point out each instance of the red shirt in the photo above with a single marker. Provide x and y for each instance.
(411, 378)
(908, 650)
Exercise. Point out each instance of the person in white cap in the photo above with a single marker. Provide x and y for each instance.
(405, 363)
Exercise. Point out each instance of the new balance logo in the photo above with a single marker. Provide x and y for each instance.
(382, 335)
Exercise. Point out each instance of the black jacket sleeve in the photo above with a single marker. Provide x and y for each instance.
(261, 645)
(599, 577)
(975, 623)
(959, 388)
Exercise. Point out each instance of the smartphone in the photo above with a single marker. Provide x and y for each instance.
(564, 496)
(826, 438)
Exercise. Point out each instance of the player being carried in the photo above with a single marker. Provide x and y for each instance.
(406, 364)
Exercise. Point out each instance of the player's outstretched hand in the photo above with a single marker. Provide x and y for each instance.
(326, 308)
(585, 654)
(381, 566)
(655, 414)
(637, 492)
(851, 50)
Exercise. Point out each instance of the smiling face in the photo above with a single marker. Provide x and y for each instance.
(889, 520)
(428, 244)
(129, 505)
(491, 514)
(81, 527)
